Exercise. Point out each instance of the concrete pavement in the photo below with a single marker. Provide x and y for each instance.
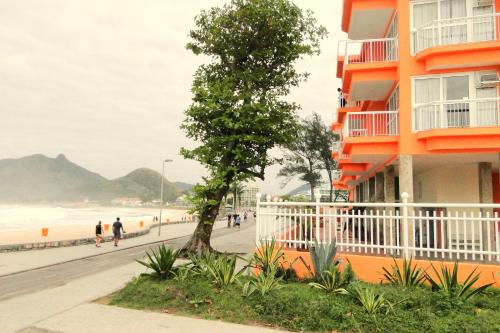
(65, 289)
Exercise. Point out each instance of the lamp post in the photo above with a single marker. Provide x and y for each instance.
(161, 191)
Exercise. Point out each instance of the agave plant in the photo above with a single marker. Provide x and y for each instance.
(263, 284)
(447, 282)
(160, 261)
(267, 257)
(334, 281)
(372, 301)
(202, 261)
(408, 276)
(182, 273)
(223, 271)
(323, 257)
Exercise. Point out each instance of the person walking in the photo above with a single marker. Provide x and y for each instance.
(245, 216)
(229, 220)
(117, 229)
(234, 218)
(237, 221)
(98, 234)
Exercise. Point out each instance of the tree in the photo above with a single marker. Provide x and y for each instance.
(323, 138)
(302, 159)
(239, 111)
(237, 190)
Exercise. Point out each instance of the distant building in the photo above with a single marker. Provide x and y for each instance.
(127, 201)
(248, 198)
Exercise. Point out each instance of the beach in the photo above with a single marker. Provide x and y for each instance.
(23, 224)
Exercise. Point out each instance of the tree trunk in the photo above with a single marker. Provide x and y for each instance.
(312, 192)
(330, 177)
(200, 240)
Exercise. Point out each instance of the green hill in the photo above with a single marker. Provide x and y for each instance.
(38, 178)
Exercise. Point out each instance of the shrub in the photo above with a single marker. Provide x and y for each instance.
(447, 282)
(372, 301)
(263, 284)
(407, 276)
(201, 262)
(182, 273)
(323, 257)
(223, 271)
(161, 262)
(267, 257)
(334, 281)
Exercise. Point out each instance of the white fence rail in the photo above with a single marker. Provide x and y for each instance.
(368, 50)
(478, 28)
(466, 232)
(371, 123)
(457, 114)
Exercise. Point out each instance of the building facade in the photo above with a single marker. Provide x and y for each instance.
(419, 110)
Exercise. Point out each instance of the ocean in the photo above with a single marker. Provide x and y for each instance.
(18, 217)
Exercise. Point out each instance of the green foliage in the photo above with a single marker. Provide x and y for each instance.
(240, 110)
(184, 272)
(447, 282)
(372, 301)
(298, 307)
(323, 257)
(223, 271)
(263, 284)
(267, 257)
(334, 281)
(161, 262)
(202, 261)
(407, 276)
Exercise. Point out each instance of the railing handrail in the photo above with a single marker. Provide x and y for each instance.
(440, 21)
(371, 40)
(370, 112)
(468, 100)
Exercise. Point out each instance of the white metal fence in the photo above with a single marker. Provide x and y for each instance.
(478, 28)
(457, 114)
(368, 50)
(466, 232)
(371, 123)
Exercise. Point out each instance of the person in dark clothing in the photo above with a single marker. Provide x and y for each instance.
(229, 220)
(342, 101)
(98, 234)
(234, 218)
(117, 229)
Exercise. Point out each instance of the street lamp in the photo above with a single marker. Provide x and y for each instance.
(161, 190)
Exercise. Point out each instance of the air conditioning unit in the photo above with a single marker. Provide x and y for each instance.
(487, 79)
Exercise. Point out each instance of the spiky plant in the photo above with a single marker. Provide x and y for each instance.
(223, 271)
(202, 261)
(267, 257)
(447, 282)
(334, 281)
(323, 257)
(161, 262)
(408, 276)
(263, 284)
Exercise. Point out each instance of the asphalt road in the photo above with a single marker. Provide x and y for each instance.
(57, 275)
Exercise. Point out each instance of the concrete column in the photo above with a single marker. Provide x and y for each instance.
(379, 187)
(406, 185)
(486, 197)
(390, 197)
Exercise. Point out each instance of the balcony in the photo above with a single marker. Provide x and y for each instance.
(368, 67)
(370, 134)
(459, 125)
(473, 41)
(367, 19)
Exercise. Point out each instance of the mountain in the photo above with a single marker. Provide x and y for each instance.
(301, 188)
(183, 186)
(39, 178)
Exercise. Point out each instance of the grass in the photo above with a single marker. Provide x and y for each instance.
(298, 307)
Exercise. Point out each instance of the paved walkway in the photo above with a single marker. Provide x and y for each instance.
(12, 262)
(67, 308)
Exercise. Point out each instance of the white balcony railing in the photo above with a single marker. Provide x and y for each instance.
(457, 114)
(440, 231)
(478, 28)
(371, 123)
(368, 50)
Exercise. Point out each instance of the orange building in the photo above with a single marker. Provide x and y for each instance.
(420, 106)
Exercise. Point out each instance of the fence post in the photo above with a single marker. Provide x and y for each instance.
(318, 200)
(257, 219)
(404, 197)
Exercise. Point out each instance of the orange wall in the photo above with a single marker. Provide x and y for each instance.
(369, 268)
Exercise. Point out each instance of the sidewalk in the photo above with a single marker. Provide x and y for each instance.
(110, 319)
(66, 309)
(12, 262)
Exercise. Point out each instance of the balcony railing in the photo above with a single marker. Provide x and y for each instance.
(337, 147)
(439, 231)
(368, 50)
(457, 114)
(345, 101)
(371, 123)
(337, 174)
(478, 28)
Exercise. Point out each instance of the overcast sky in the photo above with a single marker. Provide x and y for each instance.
(106, 81)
